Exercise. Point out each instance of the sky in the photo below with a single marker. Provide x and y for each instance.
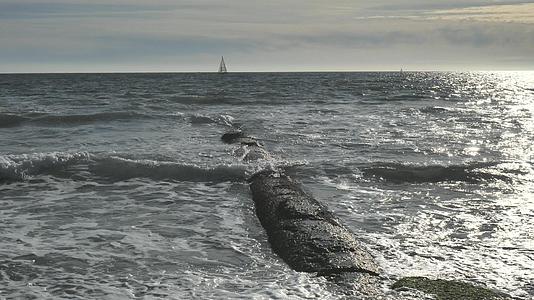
(274, 35)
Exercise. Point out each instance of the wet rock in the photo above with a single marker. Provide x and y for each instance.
(357, 286)
(238, 137)
(303, 232)
(448, 289)
(254, 153)
(251, 149)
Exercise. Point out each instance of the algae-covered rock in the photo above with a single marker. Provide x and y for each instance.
(303, 232)
(449, 289)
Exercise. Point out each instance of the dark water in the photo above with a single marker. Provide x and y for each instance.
(117, 186)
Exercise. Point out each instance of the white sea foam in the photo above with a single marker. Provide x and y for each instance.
(21, 166)
(225, 120)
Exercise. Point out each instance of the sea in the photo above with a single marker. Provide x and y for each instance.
(118, 186)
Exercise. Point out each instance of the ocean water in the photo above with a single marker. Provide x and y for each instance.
(117, 186)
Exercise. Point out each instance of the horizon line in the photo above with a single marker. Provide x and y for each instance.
(240, 72)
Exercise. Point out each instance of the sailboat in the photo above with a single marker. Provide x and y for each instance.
(222, 66)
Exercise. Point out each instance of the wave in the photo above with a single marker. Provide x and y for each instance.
(10, 120)
(23, 167)
(405, 97)
(205, 100)
(470, 173)
(118, 168)
(20, 167)
(221, 99)
(89, 118)
(220, 119)
(434, 109)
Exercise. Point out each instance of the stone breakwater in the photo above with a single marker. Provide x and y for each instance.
(309, 238)
(303, 232)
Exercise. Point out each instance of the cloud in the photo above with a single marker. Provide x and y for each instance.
(516, 13)
(425, 5)
(288, 35)
(22, 10)
(452, 11)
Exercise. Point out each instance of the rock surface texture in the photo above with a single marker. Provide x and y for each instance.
(449, 289)
(303, 232)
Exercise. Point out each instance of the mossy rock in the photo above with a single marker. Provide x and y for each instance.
(449, 289)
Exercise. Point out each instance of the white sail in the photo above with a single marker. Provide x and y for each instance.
(222, 66)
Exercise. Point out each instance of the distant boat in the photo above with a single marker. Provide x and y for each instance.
(222, 66)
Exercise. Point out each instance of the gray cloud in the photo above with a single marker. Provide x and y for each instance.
(80, 35)
(414, 5)
(517, 13)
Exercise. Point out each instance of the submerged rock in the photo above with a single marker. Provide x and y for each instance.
(449, 289)
(231, 137)
(303, 232)
(251, 149)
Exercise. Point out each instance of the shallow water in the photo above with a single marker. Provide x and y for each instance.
(117, 186)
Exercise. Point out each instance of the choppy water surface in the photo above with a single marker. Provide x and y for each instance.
(117, 186)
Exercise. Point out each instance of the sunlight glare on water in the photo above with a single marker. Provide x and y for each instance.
(118, 185)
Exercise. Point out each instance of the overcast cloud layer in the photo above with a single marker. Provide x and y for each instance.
(275, 35)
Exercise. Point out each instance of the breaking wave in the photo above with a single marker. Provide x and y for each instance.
(470, 173)
(25, 166)
(13, 120)
(117, 168)
(219, 119)
(20, 167)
